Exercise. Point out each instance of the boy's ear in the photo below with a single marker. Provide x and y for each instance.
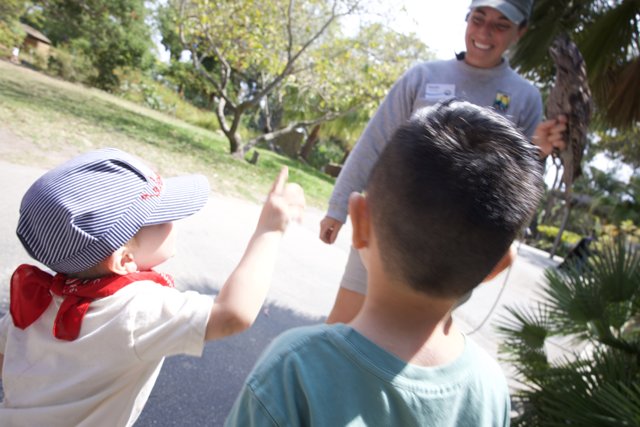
(504, 262)
(359, 213)
(121, 262)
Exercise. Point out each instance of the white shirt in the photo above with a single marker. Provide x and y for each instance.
(105, 376)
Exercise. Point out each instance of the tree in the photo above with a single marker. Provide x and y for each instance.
(612, 201)
(608, 35)
(594, 307)
(600, 199)
(623, 145)
(10, 32)
(353, 82)
(280, 56)
(166, 19)
(111, 33)
(256, 45)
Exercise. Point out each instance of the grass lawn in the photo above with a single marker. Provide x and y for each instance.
(55, 120)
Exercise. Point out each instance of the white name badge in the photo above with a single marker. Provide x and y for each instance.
(439, 91)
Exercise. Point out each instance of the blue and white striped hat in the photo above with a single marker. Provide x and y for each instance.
(79, 213)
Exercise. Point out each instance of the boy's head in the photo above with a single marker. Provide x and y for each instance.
(448, 196)
(80, 212)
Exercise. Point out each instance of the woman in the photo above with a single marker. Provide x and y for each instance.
(480, 75)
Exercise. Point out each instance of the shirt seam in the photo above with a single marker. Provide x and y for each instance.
(262, 405)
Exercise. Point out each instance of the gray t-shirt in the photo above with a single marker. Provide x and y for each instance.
(425, 84)
(330, 375)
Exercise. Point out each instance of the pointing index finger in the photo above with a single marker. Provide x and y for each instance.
(281, 180)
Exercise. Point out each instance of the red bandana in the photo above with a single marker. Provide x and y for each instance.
(31, 290)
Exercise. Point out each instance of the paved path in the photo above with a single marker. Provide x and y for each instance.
(199, 391)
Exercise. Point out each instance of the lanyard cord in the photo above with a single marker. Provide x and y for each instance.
(495, 303)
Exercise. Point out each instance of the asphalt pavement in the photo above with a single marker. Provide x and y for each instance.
(200, 391)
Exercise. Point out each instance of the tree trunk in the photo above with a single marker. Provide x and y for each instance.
(346, 155)
(266, 111)
(234, 145)
(551, 199)
(563, 225)
(311, 142)
(234, 141)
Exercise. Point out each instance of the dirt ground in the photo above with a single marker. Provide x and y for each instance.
(22, 151)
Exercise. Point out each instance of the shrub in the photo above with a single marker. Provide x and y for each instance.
(325, 152)
(596, 310)
(547, 235)
(142, 89)
(11, 34)
(70, 65)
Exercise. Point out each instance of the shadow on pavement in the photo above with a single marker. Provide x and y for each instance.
(194, 391)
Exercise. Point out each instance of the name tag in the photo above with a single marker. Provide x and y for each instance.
(439, 91)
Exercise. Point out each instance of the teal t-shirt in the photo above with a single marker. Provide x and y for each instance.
(330, 375)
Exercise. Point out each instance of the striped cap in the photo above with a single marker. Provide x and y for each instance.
(79, 213)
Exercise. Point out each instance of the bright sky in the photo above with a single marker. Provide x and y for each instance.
(439, 24)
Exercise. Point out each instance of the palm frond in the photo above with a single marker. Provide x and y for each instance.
(596, 385)
(620, 24)
(573, 298)
(597, 301)
(608, 35)
(623, 401)
(617, 271)
(524, 331)
(530, 325)
(580, 392)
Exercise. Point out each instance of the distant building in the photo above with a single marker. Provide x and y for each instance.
(36, 42)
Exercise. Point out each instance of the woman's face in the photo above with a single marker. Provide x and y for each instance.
(489, 34)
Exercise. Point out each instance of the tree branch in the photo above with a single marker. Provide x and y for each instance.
(288, 68)
(269, 137)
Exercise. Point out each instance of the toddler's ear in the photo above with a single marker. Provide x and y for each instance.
(121, 262)
(504, 262)
(359, 213)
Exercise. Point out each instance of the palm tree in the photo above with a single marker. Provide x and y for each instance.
(607, 33)
(595, 307)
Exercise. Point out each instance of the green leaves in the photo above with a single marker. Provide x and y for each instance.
(11, 33)
(287, 63)
(607, 33)
(110, 33)
(596, 309)
(597, 300)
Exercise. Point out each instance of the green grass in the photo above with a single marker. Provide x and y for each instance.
(57, 119)
(144, 90)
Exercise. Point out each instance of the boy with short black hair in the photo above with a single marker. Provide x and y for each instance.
(443, 204)
(84, 347)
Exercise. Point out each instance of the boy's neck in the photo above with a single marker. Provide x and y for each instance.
(414, 327)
